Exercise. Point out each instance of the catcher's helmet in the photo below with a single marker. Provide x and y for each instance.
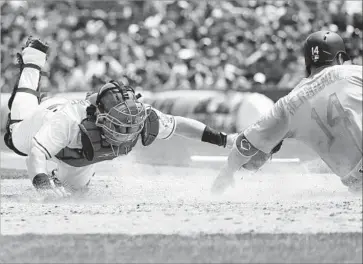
(322, 47)
(121, 116)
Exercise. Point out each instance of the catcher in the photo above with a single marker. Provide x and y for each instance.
(80, 133)
(324, 111)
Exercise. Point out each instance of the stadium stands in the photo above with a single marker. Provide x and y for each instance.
(169, 45)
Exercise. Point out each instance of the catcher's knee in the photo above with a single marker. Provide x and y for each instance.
(77, 188)
(8, 137)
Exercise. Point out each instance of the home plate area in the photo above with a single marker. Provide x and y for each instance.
(151, 213)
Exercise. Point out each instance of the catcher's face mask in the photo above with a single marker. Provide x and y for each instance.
(121, 116)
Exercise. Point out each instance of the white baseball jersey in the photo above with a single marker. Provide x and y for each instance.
(325, 112)
(54, 125)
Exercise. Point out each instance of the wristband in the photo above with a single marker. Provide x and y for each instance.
(214, 137)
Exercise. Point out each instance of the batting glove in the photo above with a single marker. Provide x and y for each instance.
(230, 140)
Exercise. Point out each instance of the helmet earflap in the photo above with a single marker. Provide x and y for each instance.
(340, 59)
(307, 71)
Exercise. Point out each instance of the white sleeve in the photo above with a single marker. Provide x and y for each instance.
(270, 129)
(54, 135)
(36, 163)
(167, 125)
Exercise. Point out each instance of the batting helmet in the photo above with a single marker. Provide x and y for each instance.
(322, 47)
(121, 116)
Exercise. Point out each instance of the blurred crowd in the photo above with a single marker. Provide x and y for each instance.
(165, 45)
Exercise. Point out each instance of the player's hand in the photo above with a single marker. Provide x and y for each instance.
(230, 140)
(49, 186)
(224, 180)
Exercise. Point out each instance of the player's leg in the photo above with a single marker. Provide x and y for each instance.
(24, 99)
(25, 96)
(75, 179)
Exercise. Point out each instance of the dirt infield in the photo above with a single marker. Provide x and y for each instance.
(216, 248)
(144, 213)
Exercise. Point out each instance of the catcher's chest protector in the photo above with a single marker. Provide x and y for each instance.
(94, 147)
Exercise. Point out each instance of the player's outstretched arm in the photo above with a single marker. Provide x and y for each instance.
(36, 163)
(51, 138)
(193, 129)
(255, 145)
(164, 126)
